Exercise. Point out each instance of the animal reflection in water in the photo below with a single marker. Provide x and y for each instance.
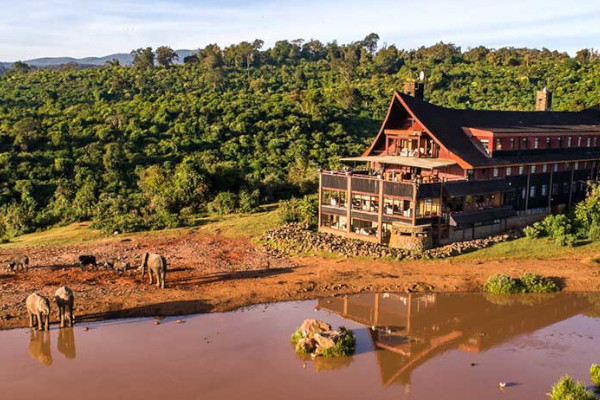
(66, 342)
(39, 346)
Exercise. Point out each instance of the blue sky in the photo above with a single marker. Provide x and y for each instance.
(80, 28)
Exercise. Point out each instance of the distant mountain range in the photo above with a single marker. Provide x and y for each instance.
(54, 62)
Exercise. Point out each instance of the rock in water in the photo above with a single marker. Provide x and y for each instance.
(311, 326)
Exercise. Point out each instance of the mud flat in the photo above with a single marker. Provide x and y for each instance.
(409, 346)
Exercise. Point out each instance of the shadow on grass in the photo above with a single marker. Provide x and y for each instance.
(559, 281)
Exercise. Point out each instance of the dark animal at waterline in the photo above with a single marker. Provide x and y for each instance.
(21, 262)
(38, 309)
(85, 260)
(64, 301)
(156, 264)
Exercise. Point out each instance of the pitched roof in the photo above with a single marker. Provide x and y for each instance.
(446, 124)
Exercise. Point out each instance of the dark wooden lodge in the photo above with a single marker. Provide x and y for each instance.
(436, 175)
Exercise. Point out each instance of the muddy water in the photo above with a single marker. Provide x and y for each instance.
(417, 346)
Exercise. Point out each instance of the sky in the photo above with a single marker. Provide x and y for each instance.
(81, 28)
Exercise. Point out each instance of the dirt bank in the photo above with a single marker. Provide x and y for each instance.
(214, 273)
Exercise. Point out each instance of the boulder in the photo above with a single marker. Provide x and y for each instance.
(311, 326)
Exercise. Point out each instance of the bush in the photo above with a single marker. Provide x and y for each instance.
(567, 389)
(502, 284)
(534, 231)
(344, 347)
(303, 211)
(535, 283)
(557, 227)
(248, 200)
(595, 374)
(223, 203)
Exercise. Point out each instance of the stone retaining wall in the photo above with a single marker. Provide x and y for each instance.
(298, 238)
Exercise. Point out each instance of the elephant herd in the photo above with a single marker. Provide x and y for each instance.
(38, 306)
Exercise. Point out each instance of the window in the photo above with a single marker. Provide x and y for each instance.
(362, 227)
(554, 189)
(565, 187)
(545, 168)
(569, 140)
(399, 207)
(508, 171)
(595, 142)
(536, 143)
(532, 192)
(576, 165)
(486, 145)
(589, 142)
(573, 187)
(579, 141)
(559, 142)
(521, 169)
(369, 203)
(548, 143)
(544, 190)
(524, 143)
(337, 222)
(495, 172)
(523, 192)
(334, 198)
(512, 143)
(498, 144)
(555, 167)
(533, 169)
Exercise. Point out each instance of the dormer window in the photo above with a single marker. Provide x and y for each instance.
(485, 143)
(498, 144)
(589, 142)
(521, 169)
(595, 142)
(536, 143)
(559, 141)
(512, 143)
(569, 140)
(545, 168)
(548, 143)
(524, 143)
(579, 141)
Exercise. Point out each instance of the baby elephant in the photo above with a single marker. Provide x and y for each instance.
(38, 308)
(21, 262)
(157, 264)
(64, 301)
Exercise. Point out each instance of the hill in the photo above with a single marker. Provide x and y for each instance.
(143, 147)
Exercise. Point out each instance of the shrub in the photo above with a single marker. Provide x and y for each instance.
(502, 284)
(534, 231)
(567, 389)
(296, 210)
(595, 374)
(345, 346)
(535, 283)
(223, 203)
(248, 200)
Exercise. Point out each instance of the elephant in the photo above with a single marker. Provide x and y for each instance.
(64, 301)
(157, 264)
(38, 308)
(21, 262)
(86, 259)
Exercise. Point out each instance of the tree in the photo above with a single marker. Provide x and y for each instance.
(143, 58)
(22, 68)
(370, 43)
(165, 56)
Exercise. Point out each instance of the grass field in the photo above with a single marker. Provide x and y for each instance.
(233, 225)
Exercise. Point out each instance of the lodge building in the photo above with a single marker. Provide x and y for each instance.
(436, 175)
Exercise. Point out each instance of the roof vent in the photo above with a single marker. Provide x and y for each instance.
(543, 100)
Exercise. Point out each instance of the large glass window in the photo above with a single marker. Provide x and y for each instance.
(365, 202)
(362, 227)
(428, 207)
(338, 222)
(334, 198)
(399, 207)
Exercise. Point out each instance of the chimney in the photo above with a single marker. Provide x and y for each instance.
(543, 100)
(414, 89)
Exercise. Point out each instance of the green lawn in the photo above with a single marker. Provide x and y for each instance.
(233, 225)
(524, 248)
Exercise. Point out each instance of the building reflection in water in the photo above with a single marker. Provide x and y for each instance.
(66, 342)
(39, 346)
(409, 329)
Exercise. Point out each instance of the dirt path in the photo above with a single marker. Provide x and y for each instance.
(213, 273)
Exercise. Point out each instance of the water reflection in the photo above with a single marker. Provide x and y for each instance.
(409, 329)
(39, 346)
(66, 342)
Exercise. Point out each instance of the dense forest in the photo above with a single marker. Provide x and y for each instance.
(156, 144)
